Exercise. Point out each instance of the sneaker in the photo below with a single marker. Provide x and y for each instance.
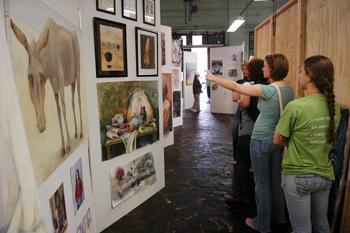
(249, 223)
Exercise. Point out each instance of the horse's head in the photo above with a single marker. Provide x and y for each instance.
(35, 73)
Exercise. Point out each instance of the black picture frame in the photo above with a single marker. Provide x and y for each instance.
(110, 54)
(124, 10)
(146, 52)
(149, 12)
(105, 9)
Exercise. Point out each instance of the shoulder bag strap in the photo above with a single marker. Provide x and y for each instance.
(279, 97)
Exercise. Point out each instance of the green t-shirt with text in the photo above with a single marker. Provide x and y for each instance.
(305, 122)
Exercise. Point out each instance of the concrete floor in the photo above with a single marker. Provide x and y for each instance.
(198, 173)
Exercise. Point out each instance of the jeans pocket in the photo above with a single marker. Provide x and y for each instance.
(304, 185)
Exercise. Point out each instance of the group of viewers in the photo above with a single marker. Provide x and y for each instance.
(285, 141)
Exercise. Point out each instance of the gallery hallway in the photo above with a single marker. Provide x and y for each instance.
(198, 173)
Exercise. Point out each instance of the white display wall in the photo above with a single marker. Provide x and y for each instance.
(189, 59)
(225, 62)
(85, 155)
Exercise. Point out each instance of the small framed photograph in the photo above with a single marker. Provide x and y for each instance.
(129, 9)
(146, 52)
(149, 12)
(107, 6)
(110, 48)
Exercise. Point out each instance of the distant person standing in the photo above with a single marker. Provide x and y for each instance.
(197, 90)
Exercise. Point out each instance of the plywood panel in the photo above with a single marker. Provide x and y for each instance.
(286, 41)
(263, 40)
(328, 33)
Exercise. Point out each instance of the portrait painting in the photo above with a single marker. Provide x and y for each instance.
(58, 211)
(76, 174)
(191, 70)
(167, 103)
(52, 102)
(176, 104)
(129, 9)
(162, 43)
(129, 179)
(175, 76)
(216, 67)
(129, 116)
(146, 52)
(110, 48)
(107, 6)
(149, 14)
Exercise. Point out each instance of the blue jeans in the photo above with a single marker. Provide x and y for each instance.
(307, 202)
(266, 161)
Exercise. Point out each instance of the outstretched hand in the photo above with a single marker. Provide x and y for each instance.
(209, 75)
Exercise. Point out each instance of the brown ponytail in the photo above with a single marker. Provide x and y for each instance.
(320, 70)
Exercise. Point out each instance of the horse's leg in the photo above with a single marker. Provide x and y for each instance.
(73, 106)
(60, 122)
(63, 104)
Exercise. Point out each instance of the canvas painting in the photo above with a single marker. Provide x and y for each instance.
(58, 211)
(217, 67)
(162, 43)
(54, 126)
(176, 104)
(175, 76)
(129, 116)
(191, 70)
(76, 174)
(167, 103)
(129, 179)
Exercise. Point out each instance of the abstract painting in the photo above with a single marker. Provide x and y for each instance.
(58, 211)
(76, 174)
(110, 48)
(54, 126)
(167, 103)
(191, 70)
(129, 116)
(176, 104)
(129, 179)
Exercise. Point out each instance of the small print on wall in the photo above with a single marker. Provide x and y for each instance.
(149, 15)
(146, 52)
(128, 180)
(176, 104)
(176, 52)
(58, 211)
(191, 69)
(167, 103)
(175, 76)
(233, 73)
(162, 42)
(129, 116)
(110, 48)
(216, 67)
(76, 174)
(129, 9)
(107, 6)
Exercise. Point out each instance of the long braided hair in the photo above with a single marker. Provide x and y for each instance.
(320, 70)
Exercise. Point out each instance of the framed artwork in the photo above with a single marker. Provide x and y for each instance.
(217, 67)
(76, 174)
(191, 69)
(58, 210)
(146, 52)
(107, 6)
(129, 9)
(167, 103)
(176, 104)
(149, 12)
(110, 48)
(162, 43)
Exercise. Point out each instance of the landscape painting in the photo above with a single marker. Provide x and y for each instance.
(129, 116)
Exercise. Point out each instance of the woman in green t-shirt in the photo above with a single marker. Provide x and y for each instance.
(307, 126)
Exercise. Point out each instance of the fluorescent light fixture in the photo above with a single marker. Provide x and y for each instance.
(236, 24)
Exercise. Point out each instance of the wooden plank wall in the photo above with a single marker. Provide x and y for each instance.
(328, 33)
(310, 27)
